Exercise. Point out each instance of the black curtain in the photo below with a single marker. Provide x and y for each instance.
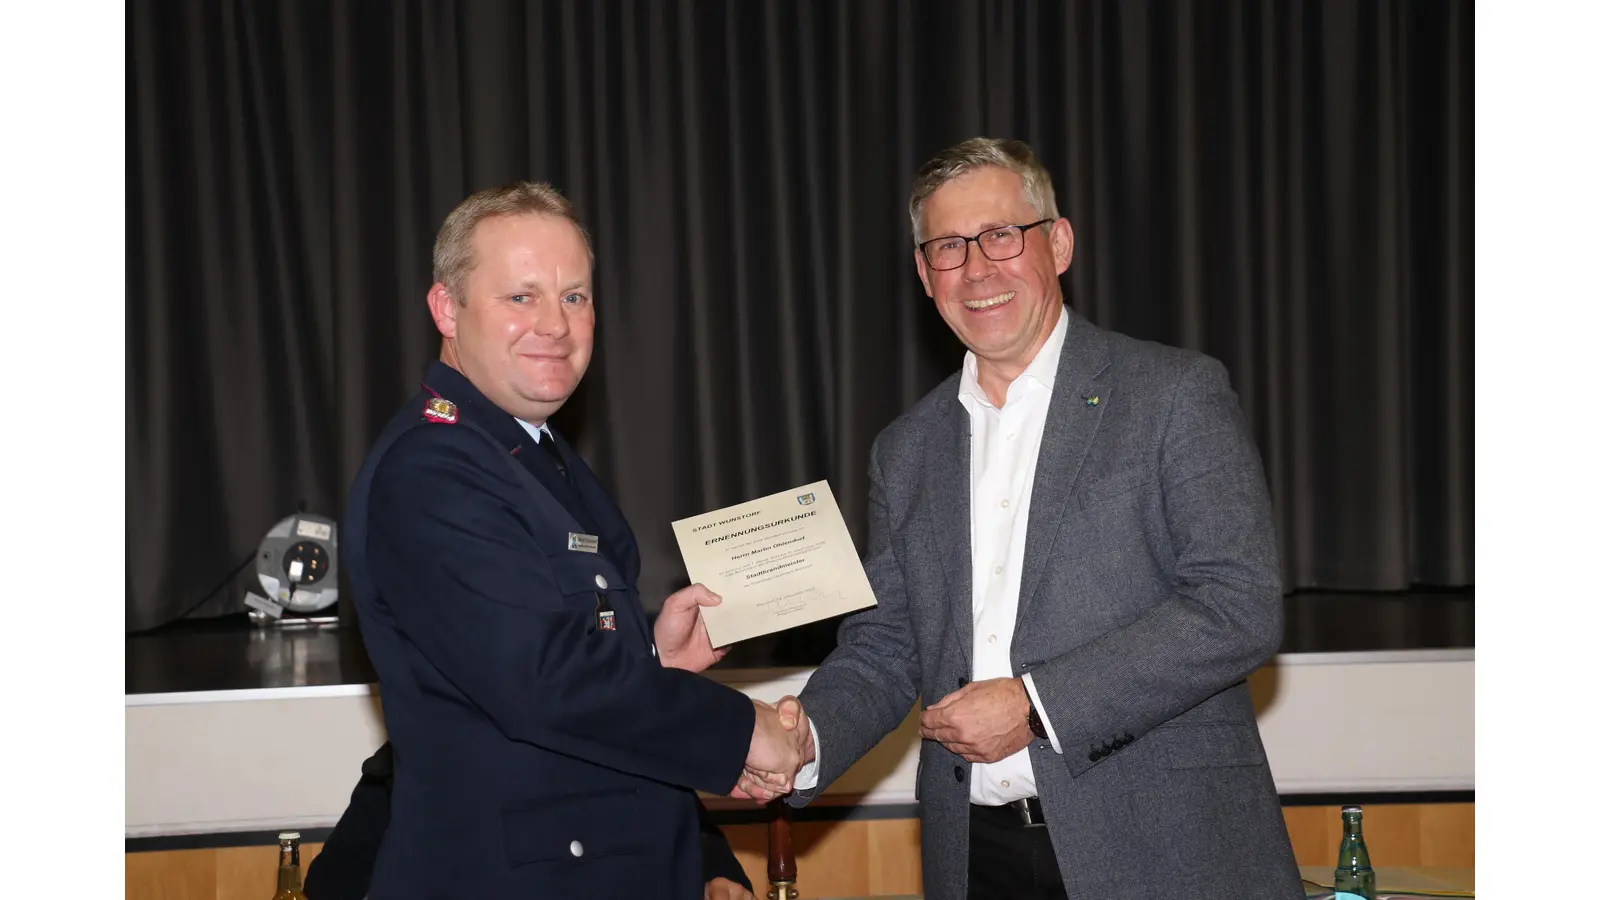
(1287, 186)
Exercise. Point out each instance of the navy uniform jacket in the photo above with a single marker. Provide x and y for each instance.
(342, 869)
(544, 756)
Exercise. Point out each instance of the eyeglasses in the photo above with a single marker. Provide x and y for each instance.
(1005, 242)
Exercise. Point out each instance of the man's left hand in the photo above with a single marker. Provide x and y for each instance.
(723, 889)
(681, 636)
(983, 722)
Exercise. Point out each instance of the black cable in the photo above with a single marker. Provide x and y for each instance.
(213, 592)
(220, 585)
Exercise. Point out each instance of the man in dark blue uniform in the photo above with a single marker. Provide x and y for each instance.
(547, 740)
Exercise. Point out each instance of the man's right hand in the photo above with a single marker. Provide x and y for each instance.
(780, 745)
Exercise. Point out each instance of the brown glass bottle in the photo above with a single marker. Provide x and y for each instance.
(289, 867)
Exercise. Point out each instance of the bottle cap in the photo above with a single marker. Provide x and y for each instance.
(1352, 808)
(288, 835)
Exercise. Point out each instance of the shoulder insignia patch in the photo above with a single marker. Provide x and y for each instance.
(440, 410)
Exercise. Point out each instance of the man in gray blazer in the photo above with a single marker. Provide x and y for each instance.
(1072, 548)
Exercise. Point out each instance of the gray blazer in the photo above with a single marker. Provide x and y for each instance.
(1150, 591)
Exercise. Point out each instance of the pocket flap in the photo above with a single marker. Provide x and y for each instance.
(573, 828)
(584, 573)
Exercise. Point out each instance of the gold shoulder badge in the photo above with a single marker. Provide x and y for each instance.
(440, 410)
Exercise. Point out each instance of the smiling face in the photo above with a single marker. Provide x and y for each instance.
(1002, 311)
(525, 332)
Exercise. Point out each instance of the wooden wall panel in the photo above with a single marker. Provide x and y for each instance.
(1397, 834)
(1448, 836)
(866, 858)
(172, 875)
(895, 854)
(1309, 828)
(878, 857)
(247, 872)
(223, 873)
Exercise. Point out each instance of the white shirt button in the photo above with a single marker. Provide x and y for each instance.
(1011, 435)
(1004, 503)
(576, 848)
(992, 638)
(600, 582)
(1005, 784)
(999, 569)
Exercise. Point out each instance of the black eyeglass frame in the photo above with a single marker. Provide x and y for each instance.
(976, 239)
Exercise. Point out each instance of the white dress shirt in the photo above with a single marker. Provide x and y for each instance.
(1005, 452)
(537, 432)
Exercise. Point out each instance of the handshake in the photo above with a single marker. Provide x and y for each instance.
(781, 744)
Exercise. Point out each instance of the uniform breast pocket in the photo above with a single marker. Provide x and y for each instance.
(584, 573)
(590, 585)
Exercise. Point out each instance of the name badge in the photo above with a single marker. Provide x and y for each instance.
(583, 543)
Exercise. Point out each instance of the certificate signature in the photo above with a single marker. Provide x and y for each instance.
(793, 603)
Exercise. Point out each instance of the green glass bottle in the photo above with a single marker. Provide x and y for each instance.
(1354, 879)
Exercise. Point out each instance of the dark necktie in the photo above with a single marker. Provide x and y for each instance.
(547, 443)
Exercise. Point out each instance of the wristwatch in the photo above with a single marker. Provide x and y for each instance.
(1035, 721)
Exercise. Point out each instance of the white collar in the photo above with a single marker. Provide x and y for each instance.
(1041, 369)
(537, 432)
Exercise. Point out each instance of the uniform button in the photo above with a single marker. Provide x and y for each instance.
(960, 775)
(600, 582)
(653, 650)
(576, 848)
(961, 682)
(1004, 503)
(991, 638)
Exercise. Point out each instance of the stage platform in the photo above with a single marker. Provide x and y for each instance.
(227, 654)
(233, 731)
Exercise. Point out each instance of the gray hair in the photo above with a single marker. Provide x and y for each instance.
(975, 153)
(452, 249)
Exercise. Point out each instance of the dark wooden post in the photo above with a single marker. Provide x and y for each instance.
(781, 874)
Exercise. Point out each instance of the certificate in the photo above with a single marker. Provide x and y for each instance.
(777, 562)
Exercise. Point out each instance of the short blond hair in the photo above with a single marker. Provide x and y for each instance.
(452, 248)
(975, 153)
